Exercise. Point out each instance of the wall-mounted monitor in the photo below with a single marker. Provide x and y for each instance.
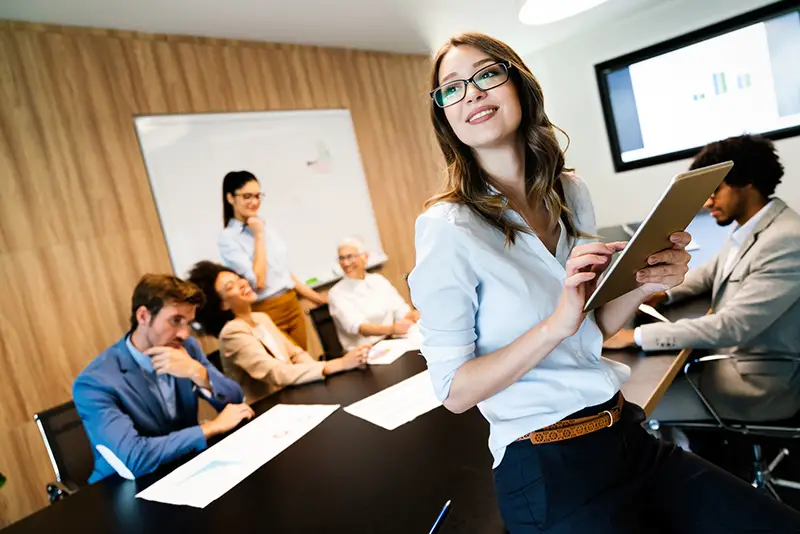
(742, 75)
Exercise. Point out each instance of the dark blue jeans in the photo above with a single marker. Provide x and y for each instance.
(622, 480)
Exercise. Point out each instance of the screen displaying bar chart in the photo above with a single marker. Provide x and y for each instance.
(744, 81)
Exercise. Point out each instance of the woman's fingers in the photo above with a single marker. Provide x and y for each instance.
(578, 278)
(598, 248)
(661, 273)
(616, 246)
(582, 262)
(673, 256)
(681, 239)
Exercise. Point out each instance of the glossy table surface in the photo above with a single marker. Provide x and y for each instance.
(346, 475)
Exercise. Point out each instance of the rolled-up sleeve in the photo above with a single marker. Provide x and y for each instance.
(345, 313)
(235, 255)
(444, 289)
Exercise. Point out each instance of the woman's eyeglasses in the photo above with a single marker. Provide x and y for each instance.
(488, 77)
(250, 196)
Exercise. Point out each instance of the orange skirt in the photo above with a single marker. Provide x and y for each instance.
(286, 313)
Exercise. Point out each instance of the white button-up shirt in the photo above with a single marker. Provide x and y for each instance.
(353, 302)
(739, 236)
(476, 295)
(237, 249)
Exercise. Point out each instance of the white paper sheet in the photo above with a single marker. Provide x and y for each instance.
(652, 312)
(398, 404)
(386, 351)
(210, 475)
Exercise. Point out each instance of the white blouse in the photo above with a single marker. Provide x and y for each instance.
(353, 302)
(476, 295)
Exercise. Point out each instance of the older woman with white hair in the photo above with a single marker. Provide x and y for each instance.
(365, 306)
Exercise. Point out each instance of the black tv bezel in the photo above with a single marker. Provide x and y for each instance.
(670, 45)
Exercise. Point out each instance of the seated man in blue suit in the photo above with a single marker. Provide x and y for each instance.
(138, 399)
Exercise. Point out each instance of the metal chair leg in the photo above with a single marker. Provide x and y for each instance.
(758, 468)
(786, 483)
(783, 454)
(771, 489)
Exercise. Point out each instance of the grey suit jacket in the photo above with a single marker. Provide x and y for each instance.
(756, 310)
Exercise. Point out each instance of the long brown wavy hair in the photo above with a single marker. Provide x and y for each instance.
(467, 183)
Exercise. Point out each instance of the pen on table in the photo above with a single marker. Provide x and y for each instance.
(439, 520)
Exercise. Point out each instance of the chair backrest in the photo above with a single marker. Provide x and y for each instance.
(67, 444)
(215, 359)
(784, 428)
(326, 330)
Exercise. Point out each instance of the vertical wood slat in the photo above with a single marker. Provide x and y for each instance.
(78, 224)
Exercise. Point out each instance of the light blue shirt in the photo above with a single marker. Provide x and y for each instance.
(476, 295)
(161, 386)
(237, 249)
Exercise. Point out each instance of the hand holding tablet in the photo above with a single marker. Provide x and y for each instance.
(661, 237)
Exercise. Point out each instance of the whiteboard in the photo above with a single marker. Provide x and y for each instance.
(309, 168)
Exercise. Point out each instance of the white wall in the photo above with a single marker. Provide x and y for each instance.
(572, 100)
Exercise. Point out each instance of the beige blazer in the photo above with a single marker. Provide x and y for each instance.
(756, 311)
(263, 367)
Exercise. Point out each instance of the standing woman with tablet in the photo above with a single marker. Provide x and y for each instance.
(256, 251)
(505, 261)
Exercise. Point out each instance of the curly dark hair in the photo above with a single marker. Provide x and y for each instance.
(755, 161)
(211, 317)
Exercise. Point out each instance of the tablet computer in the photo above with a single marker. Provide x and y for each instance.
(680, 202)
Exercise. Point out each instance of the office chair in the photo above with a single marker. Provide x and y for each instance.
(215, 360)
(68, 447)
(326, 330)
(763, 472)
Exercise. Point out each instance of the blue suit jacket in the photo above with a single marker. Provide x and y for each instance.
(120, 412)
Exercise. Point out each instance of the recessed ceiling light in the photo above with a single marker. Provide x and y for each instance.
(538, 12)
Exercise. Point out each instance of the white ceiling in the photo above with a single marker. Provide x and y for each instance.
(392, 25)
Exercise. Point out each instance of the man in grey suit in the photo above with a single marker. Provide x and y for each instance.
(754, 283)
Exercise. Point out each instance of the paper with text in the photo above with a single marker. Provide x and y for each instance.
(652, 312)
(398, 404)
(387, 351)
(208, 476)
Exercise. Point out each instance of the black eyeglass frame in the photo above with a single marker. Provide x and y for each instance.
(471, 80)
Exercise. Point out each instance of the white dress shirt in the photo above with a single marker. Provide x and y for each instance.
(237, 248)
(739, 235)
(353, 302)
(476, 295)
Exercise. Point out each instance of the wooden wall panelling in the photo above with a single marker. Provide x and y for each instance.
(78, 224)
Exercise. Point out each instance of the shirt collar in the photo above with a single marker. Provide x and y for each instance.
(237, 224)
(741, 233)
(141, 358)
(355, 282)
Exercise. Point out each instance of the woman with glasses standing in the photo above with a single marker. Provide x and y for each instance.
(505, 262)
(256, 251)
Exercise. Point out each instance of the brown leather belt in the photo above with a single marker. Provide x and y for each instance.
(572, 428)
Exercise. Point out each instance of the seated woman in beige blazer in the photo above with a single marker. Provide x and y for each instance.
(254, 352)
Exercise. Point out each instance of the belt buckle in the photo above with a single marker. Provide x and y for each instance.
(610, 417)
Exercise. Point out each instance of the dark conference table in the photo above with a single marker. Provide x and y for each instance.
(347, 475)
